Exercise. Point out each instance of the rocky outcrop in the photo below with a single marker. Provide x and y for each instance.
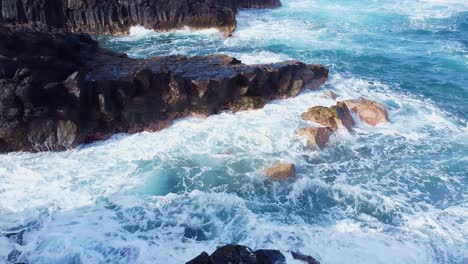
(317, 137)
(370, 112)
(236, 254)
(339, 116)
(117, 16)
(332, 117)
(281, 171)
(59, 89)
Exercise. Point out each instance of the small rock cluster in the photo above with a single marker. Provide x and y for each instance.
(237, 254)
(330, 120)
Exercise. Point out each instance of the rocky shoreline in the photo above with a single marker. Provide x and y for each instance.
(237, 254)
(60, 89)
(117, 16)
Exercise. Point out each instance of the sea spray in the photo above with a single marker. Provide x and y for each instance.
(396, 192)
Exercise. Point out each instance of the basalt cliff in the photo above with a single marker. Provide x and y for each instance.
(59, 89)
(117, 16)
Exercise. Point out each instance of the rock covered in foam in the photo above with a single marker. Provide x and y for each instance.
(332, 117)
(370, 112)
(330, 94)
(317, 137)
(281, 171)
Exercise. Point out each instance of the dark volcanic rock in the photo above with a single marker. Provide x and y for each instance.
(203, 258)
(237, 254)
(269, 256)
(117, 16)
(305, 258)
(233, 254)
(59, 89)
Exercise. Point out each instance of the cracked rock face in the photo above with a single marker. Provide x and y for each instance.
(117, 16)
(59, 89)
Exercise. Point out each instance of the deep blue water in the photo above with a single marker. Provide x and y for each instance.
(395, 193)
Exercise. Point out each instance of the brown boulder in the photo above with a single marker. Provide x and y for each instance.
(281, 171)
(332, 117)
(317, 137)
(370, 112)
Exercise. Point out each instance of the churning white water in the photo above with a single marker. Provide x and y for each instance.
(395, 193)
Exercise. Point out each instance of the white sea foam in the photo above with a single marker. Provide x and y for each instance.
(385, 194)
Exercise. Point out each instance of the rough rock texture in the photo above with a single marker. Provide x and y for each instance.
(371, 112)
(269, 256)
(332, 117)
(59, 89)
(233, 254)
(203, 258)
(281, 171)
(236, 254)
(304, 258)
(317, 137)
(117, 16)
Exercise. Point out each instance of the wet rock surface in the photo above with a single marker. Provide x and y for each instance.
(117, 16)
(370, 112)
(334, 117)
(237, 254)
(281, 171)
(317, 137)
(59, 89)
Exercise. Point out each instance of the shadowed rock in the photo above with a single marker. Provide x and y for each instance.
(370, 112)
(237, 254)
(304, 258)
(117, 16)
(270, 256)
(233, 254)
(203, 258)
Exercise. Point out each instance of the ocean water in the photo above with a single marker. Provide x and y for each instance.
(395, 193)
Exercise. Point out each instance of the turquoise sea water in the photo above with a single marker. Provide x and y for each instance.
(395, 193)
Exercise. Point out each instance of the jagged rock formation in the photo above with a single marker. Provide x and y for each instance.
(333, 117)
(237, 254)
(117, 16)
(60, 89)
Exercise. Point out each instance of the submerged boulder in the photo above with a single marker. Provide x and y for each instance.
(370, 112)
(317, 137)
(332, 117)
(281, 171)
(331, 94)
